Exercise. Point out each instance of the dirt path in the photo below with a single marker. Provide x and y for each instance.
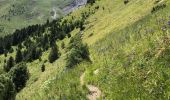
(94, 92)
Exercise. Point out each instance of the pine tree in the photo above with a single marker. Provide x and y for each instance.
(19, 75)
(7, 89)
(1, 50)
(10, 64)
(8, 45)
(19, 56)
(54, 54)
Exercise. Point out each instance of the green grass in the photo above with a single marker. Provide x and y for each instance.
(127, 46)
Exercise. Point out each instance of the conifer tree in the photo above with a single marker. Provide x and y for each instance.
(19, 75)
(7, 89)
(10, 64)
(19, 56)
(54, 54)
(1, 50)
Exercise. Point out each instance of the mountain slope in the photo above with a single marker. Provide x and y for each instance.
(129, 52)
(118, 48)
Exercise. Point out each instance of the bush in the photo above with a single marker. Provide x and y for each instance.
(126, 2)
(62, 45)
(54, 54)
(77, 52)
(158, 7)
(43, 68)
(73, 58)
(7, 88)
(19, 75)
(91, 1)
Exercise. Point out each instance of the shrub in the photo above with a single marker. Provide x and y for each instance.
(19, 75)
(43, 68)
(62, 45)
(157, 1)
(77, 52)
(68, 35)
(158, 7)
(7, 89)
(73, 58)
(126, 2)
(91, 1)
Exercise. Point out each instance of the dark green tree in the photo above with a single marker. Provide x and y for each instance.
(19, 56)
(1, 49)
(19, 75)
(33, 53)
(45, 42)
(54, 54)
(10, 64)
(7, 88)
(8, 46)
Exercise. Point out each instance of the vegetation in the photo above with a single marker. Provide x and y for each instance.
(7, 91)
(19, 56)
(43, 68)
(120, 49)
(158, 7)
(78, 51)
(54, 54)
(126, 1)
(91, 1)
(9, 65)
(19, 76)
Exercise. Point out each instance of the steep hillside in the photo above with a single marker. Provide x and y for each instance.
(128, 43)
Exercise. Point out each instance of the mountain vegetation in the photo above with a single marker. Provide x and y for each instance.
(113, 50)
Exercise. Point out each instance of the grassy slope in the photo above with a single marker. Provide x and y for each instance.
(128, 48)
(35, 13)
